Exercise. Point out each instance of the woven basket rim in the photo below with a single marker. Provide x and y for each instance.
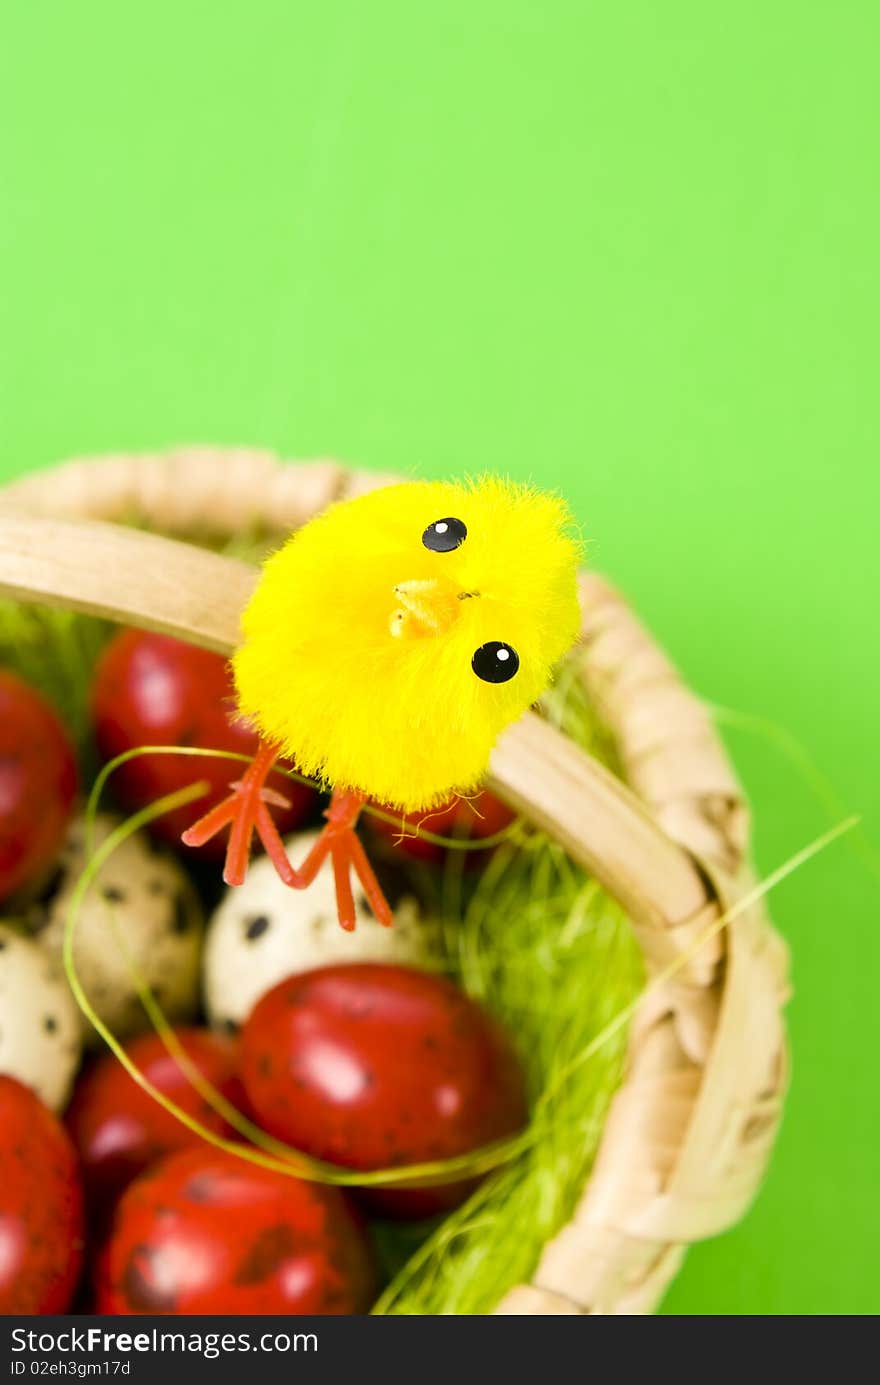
(686, 1141)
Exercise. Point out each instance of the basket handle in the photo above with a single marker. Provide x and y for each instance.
(162, 584)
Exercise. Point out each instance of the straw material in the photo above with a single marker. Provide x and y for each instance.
(690, 1130)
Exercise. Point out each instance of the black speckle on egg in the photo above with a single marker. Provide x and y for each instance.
(50, 1024)
(142, 1288)
(445, 535)
(113, 894)
(255, 927)
(200, 1188)
(269, 1252)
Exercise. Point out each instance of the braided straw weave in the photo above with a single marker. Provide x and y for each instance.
(690, 1130)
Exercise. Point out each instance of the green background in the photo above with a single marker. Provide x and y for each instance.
(628, 249)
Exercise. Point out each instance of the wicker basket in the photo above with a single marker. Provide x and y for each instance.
(690, 1130)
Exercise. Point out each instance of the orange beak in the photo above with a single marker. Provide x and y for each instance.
(427, 606)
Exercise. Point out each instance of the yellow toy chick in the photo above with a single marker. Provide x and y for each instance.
(386, 646)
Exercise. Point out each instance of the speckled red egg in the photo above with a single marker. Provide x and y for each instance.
(373, 1066)
(154, 690)
(119, 1129)
(37, 784)
(472, 819)
(205, 1232)
(41, 1206)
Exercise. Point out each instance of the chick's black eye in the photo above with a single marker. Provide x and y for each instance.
(495, 662)
(444, 535)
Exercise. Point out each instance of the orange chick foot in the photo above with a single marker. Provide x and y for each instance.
(247, 809)
(340, 842)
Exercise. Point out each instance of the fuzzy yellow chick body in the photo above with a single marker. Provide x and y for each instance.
(393, 637)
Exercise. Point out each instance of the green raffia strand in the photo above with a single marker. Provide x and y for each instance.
(110, 768)
(431, 1262)
(494, 1240)
(553, 957)
(805, 766)
(536, 940)
(272, 1153)
(55, 651)
(566, 706)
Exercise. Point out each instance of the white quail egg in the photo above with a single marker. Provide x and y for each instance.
(40, 1028)
(263, 931)
(141, 912)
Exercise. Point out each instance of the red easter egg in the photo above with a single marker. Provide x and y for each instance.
(120, 1129)
(155, 690)
(372, 1066)
(474, 819)
(41, 1206)
(37, 783)
(205, 1232)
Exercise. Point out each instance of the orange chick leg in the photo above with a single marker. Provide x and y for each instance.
(247, 809)
(340, 840)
